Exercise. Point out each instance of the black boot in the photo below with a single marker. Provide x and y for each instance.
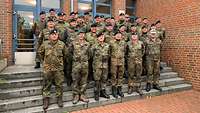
(148, 87)
(156, 86)
(130, 90)
(75, 99)
(96, 95)
(139, 91)
(45, 103)
(60, 101)
(104, 94)
(114, 92)
(37, 65)
(119, 91)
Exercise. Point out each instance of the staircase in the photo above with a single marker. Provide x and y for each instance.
(22, 91)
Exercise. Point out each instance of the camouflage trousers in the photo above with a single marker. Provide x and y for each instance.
(117, 72)
(100, 75)
(37, 46)
(79, 78)
(135, 72)
(53, 77)
(153, 69)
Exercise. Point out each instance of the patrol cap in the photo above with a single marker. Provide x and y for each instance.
(94, 25)
(121, 14)
(112, 17)
(72, 13)
(97, 16)
(145, 18)
(61, 14)
(81, 31)
(152, 25)
(42, 12)
(54, 31)
(52, 10)
(86, 13)
(102, 16)
(135, 33)
(133, 25)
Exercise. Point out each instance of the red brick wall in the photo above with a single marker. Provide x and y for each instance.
(181, 49)
(118, 5)
(6, 28)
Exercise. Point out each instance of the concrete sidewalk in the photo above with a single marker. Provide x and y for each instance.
(182, 102)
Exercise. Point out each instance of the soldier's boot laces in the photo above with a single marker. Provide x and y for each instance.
(60, 101)
(104, 94)
(75, 99)
(130, 90)
(45, 103)
(119, 91)
(37, 65)
(83, 98)
(156, 86)
(114, 92)
(148, 87)
(96, 95)
(139, 91)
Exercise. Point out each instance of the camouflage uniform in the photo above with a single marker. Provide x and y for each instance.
(153, 59)
(53, 55)
(44, 36)
(54, 18)
(62, 28)
(161, 33)
(135, 52)
(80, 67)
(101, 54)
(37, 28)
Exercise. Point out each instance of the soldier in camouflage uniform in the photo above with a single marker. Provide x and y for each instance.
(139, 25)
(39, 25)
(135, 50)
(118, 47)
(153, 44)
(53, 52)
(81, 53)
(160, 29)
(100, 52)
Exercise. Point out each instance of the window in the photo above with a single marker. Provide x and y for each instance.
(51, 4)
(25, 2)
(130, 7)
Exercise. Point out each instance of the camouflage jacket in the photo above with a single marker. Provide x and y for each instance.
(152, 46)
(38, 27)
(135, 51)
(44, 36)
(118, 49)
(91, 38)
(81, 53)
(63, 33)
(53, 55)
(161, 33)
(100, 53)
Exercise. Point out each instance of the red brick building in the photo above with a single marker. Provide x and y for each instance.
(181, 49)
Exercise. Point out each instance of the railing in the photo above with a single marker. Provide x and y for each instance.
(1, 49)
(25, 45)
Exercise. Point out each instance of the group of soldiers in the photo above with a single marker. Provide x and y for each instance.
(106, 48)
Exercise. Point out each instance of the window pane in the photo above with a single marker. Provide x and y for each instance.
(130, 12)
(51, 4)
(84, 7)
(25, 2)
(103, 9)
(130, 3)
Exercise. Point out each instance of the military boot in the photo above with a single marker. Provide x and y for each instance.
(119, 91)
(83, 98)
(130, 90)
(148, 87)
(104, 94)
(139, 90)
(156, 86)
(37, 65)
(60, 101)
(75, 99)
(114, 92)
(96, 91)
(45, 103)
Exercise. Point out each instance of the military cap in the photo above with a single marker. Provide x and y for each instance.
(42, 12)
(50, 20)
(86, 13)
(54, 31)
(157, 22)
(112, 17)
(135, 33)
(144, 27)
(100, 33)
(72, 13)
(81, 31)
(152, 25)
(72, 20)
(133, 25)
(121, 14)
(97, 16)
(52, 10)
(137, 18)
(102, 16)
(145, 18)
(61, 14)
(94, 25)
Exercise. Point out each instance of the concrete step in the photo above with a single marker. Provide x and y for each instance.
(36, 90)
(68, 106)
(20, 72)
(29, 82)
(31, 101)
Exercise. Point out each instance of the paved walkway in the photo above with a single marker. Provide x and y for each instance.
(182, 102)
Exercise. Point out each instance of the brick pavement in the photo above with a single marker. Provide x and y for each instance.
(182, 102)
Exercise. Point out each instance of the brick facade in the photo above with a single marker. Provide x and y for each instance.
(181, 48)
(6, 28)
(118, 5)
